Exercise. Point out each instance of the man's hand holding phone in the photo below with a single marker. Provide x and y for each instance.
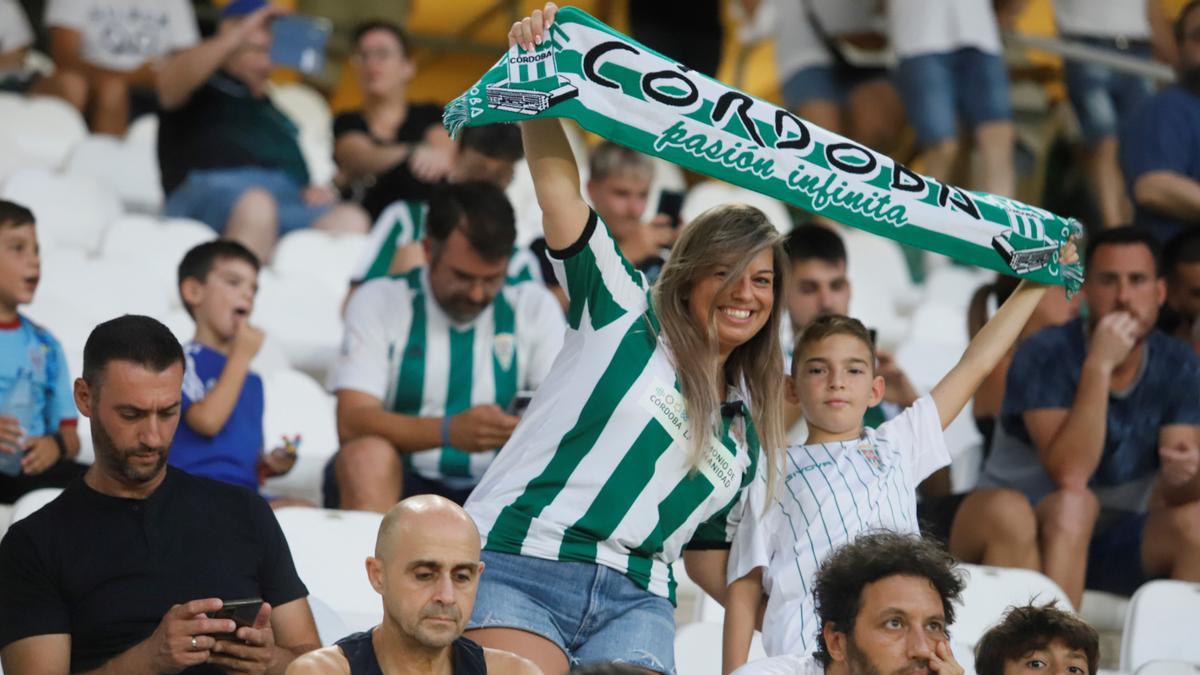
(252, 651)
(184, 636)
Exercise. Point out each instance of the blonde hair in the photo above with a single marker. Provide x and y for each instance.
(733, 235)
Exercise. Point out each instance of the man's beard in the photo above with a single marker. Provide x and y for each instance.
(117, 459)
(860, 664)
(1189, 78)
(429, 639)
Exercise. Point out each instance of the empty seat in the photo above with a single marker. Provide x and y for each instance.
(304, 314)
(330, 549)
(32, 501)
(44, 128)
(71, 211)
(991, 591)
(698, 648)
(305, 106)
(129, 169)
(295, 404)
(329, 258)
(1161, 625)
(704, 196)
(154, 245)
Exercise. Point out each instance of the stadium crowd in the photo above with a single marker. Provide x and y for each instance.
(511, 401)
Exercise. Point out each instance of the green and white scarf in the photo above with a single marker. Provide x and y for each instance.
(628, 93)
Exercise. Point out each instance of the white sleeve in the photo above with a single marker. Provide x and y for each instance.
(545, 317)
(65, 14)
(751, 546)
(14, 27)
(917, 433)
(362, 363)
(785, 664)
(183, 32)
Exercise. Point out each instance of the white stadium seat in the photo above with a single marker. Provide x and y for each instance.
(698, 648)
(1105, 611)
(30, 502)
(143, 131)
(303, 105)
(43, 127)
(1161, 625)
(71, 211)
(1162, 667)
(329, 258)
(296, 404)
(953, 286)
(155, 246)
(991, 591)
(704, 196)
(129, 169)
(330, 549)
(330, 626)
(304, 315)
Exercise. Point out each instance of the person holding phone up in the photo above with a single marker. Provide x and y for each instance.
(127, 571)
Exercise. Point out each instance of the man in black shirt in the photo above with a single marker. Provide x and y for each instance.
(228, 156)
(121, 573)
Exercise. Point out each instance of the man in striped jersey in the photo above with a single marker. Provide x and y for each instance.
(485, 153)
(846, 479)
(432, 360)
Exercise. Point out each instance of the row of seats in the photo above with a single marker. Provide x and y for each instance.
(330, 547)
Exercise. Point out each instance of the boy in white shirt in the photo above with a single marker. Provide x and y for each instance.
(845, 480)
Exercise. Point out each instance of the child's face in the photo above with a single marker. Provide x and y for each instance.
(20, 265)
(835, 383)
(226, 298)
(1055, 659)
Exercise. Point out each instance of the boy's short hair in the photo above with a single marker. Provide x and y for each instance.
(199, 261)
(13, 214)
(1024, 629)
(611, 159)
(829, 325)
(808, 241)
(497, 141)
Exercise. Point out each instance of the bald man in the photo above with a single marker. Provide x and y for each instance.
(426, 566)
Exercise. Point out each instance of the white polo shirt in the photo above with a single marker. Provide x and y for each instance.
(124, 34)
(938, 26)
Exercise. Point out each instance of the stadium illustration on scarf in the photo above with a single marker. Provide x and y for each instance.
(623, 91)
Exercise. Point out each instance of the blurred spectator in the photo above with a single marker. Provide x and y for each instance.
(389, 144)
(824, 87)
(229, 157)
(866, 592)
(15, 39)
(1061, 641)
(688, 31)
(1104, 98)
(1181, 267)
(1093, 412)
(817, 286)
(951, 69)
(1160, 147)
(126, 567)
(1054, 309)
(115, 47)
(38, 442)
(221, 436)
(619, 188)
(426, 567)
(486, 153)
(433, 361)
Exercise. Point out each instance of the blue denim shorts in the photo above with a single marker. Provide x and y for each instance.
(826, 83)
(1103, 98)
(594, 614)
(938, 89)
(208, 195)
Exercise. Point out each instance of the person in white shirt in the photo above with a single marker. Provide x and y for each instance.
(824, 87)
(115, 47)
(951, 70)
(1103, 97)
(846, 479)
(885, 604)
(16, 37)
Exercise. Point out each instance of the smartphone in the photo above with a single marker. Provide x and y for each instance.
(670, 203)
(243, 612)
(299, 42)
(520, 402)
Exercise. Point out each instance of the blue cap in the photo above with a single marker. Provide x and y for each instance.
(238, 8)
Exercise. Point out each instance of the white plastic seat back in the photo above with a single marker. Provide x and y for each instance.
(330, 549)
(698, 648)
(31, 502)
(991, 591)
(1168, 668)
(296, 404)
(44, 128)
(129, 169)
(330, 626)
(71, 211)
(1161, 625)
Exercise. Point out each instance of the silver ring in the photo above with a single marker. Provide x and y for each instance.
(195, 645)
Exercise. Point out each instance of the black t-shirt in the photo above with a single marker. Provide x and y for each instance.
(397, 182)
(223, 126)
(106, 569)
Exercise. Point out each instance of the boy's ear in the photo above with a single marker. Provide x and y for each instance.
(878, 387)
(192, 291)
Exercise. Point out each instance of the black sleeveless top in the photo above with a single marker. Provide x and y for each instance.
(466, 656)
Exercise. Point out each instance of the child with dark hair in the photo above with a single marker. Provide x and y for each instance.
(1038, 639)
(221, 435)
(38, 442)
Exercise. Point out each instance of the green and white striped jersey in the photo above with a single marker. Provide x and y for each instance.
(402, 348)
(599, 469)
(402, 223)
